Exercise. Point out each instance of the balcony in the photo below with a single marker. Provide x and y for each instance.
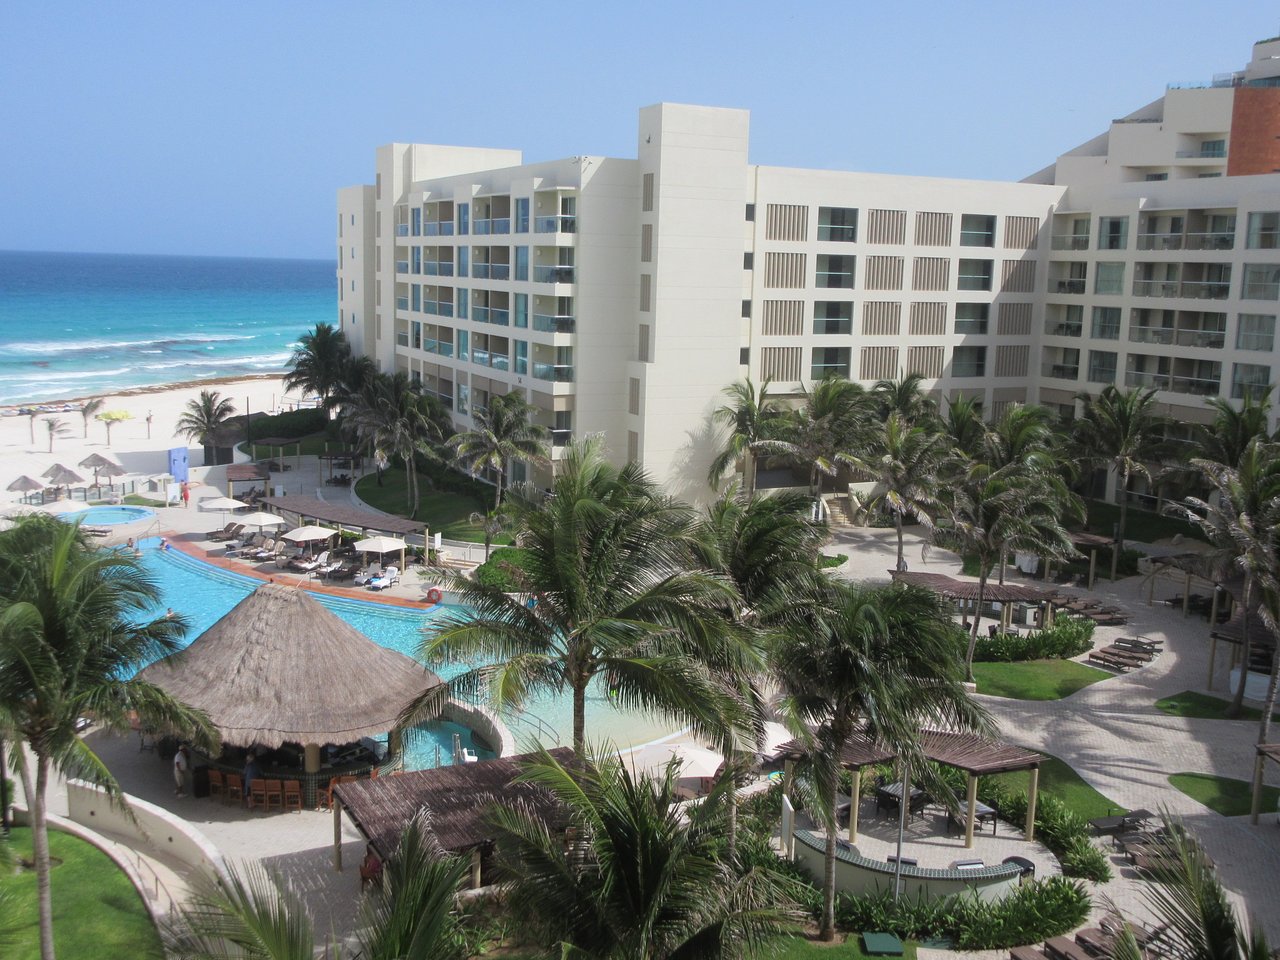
(437, 228)
(1211, 241)
(1069, 241)
(1159, 241)
(561, 438)
(1200, 386)
(443, 348)
(402, 229)
(1260, 290)
(402, 339)
(820, 371)
(491, 271)
(1061, 371)
(1155, 288)
(437, 268)
(555, 274)
(834, 279)
(402, 303)
(437, 308)
(969, 368)
(491, 226)
(1213, 153)
(567, 224)
(1069, 285)
(501, 317)
(1162, 335)
(402, 266)
(1211, 339)
(546, 323)
(1149, 381)
(1205, 289)
(837, 233)
(555, 372)
(1253, 391)
(1064, 328)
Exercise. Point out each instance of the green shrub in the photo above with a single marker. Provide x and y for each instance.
(291, 424)
(502, 569)
(1059, 828)
(1033, 912)
(1067, 637)
(826, 562)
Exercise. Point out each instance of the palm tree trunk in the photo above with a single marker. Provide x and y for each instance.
(897, 522)
(1118, 546)
(1236, 706)
(1264, 728)
(973, 628)
(579, 717)
(731, 803)
(749, 473)
(497, 497)
(827, 931)
(40, 844)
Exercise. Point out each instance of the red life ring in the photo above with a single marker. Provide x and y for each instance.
(434, 595)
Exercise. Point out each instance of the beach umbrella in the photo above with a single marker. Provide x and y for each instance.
(222, 503)
(382, 544)
(308, 534)
(694, 762)
(261, 519)
(25, 484)
(58, 475)
(101, 465)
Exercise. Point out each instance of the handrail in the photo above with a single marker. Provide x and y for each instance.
(542, 728)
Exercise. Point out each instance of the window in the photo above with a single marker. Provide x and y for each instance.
(1109, 278)
(974, 275)
(464, 396)
(969, 362)
(1113, 233)
(751, 210)
(1261, 281)
(748, 261)
(522, 263)
(1249, 380)
(415, 216)
(1255, 331)
(977, 230)
(746, 308)
(521, 310)
(972, 317)
(744, 356)
(1102, 366)
(835, 271)
(1263, 230)
(416, 290)
(1106, 323)
(417, 260)
(464, 258)
(522, 215)
(463, 296)
(1213, 148)
(464, 338)
(464, 218)
(830, 362)
(838, 224)
(562, 429)
(832, 317)
(1155, 177)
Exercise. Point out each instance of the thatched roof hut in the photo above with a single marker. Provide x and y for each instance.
(280, 668)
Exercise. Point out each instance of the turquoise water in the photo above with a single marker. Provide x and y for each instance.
(76, 324)
(105, 516)
(203, 594)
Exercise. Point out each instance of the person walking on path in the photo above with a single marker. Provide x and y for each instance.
(186, 494)
(181, 763)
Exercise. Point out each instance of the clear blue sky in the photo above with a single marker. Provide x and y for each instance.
(225, 128)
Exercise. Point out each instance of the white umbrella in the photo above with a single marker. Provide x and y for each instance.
(694, 762)
(65, 507)
(307, 534)
(222, 503)
(261, 519)
(382, 545)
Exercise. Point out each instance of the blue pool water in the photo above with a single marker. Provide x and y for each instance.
(105, 516)
(203, 594)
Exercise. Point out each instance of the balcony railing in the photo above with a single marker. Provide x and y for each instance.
(820, 371)
(555, 224)
(491, 271)
(1061, 371)
(1068, 285)
(437, 268)
(1261, 290)
(561, 438)
(1200, 386)
(553, 274)
(968, 369)
(1255, 341)
(443, 348)
(1213, 339)
(438, 308)
(1159, 241)
(834, 279)
(1205, 289)
(556, 372)
(402, 266)
(546, 323)
(1155, 288)
(1061, 329)
(440, 228)
(1211, 241)
(1162, 335)
(500, 316)
(402, 339)
(1215, 153)
(1253, 391)
(490, 226)
(837, 233)
(1069, 241)
(977, 238)
(402, 229)
(402, 303)
(1151, 381)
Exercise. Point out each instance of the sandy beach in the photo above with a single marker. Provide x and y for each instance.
(139, 448)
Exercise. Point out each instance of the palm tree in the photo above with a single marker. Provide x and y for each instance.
(608, 560)
(57, 427)
(504, 432)
(74, 623)
(831, 418)
(409, 915)
(1230, 521)
(879, 661)
(88, 409)
(319, 363)
(903, 461)
(904, 396)
(110, 418)
(1226, 438)
(204, 417)
(963, 426)
(642, 876)
(1124, 432)
(752, 417)
(493, 523)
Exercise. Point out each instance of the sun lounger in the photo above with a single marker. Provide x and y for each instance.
(1136, 657)
(1140, 643)
(390, 576)
(1027, 953)
(1064, 948)
(307, 566)
(1146, 936)
(369, 573)
(226, 533)
(1120, 822)
(1110, 662)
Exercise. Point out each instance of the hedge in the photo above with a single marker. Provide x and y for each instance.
(1067, 637)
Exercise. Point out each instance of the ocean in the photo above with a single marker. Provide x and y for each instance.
(76, 324)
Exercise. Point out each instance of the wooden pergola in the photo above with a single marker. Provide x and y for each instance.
(277, 446)
(977, 756)
(1266, 751)
(246, 473)
(1083, 540)
(966, 591)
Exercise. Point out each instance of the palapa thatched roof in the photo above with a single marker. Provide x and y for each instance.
(281, 668)
(457, 800)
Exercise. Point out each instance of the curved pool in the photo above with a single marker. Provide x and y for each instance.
(106, 516)
(203, 593)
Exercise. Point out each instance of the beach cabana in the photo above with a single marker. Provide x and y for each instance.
(279, 669)
(456, 799)
(966, 591)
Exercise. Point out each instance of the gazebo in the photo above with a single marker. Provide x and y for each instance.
(967, 591)
(279, 669)
(977, 756)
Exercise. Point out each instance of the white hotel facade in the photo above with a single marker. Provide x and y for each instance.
(620, 296)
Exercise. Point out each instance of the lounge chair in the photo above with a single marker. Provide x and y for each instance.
(306, 566)
(266, 552)
(1027, 953)
(1065, 948)
(226, 533)
(390, 576)
(369, 573)
(1111, 663)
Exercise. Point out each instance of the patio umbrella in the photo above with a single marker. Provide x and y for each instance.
(695, 762)
(308, 534)
(382, 545)
(260, 519)
(222, 503)
(59, 476)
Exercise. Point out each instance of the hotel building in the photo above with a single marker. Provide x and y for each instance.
(620, 296)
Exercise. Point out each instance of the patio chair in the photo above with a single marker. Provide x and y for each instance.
(217, 786)
(389, 576)
(307, 566)
(267, 551)
(258, 793)
(324, 796)
(293, 795)
(234, 789)
(274, 791)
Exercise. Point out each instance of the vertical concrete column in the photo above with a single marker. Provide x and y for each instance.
(855, 794)
(475, 869)
(971, 810)
(1031, 804)
(311, 758)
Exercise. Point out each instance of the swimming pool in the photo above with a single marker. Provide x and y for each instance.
(203, 593)
(106, 516)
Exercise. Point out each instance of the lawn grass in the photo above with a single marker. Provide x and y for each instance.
(1058, 779)
(1231, 798)
(444, 513)
(1202, 706)
(799, 948)
(1035, 679)
(96, 911)
(1139, 524)
(137, 500)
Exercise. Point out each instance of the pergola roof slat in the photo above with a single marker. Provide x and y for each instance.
(964, 751)
(954, 589)
(314, 509)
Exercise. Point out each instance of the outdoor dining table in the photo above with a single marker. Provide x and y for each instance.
(890, 795)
